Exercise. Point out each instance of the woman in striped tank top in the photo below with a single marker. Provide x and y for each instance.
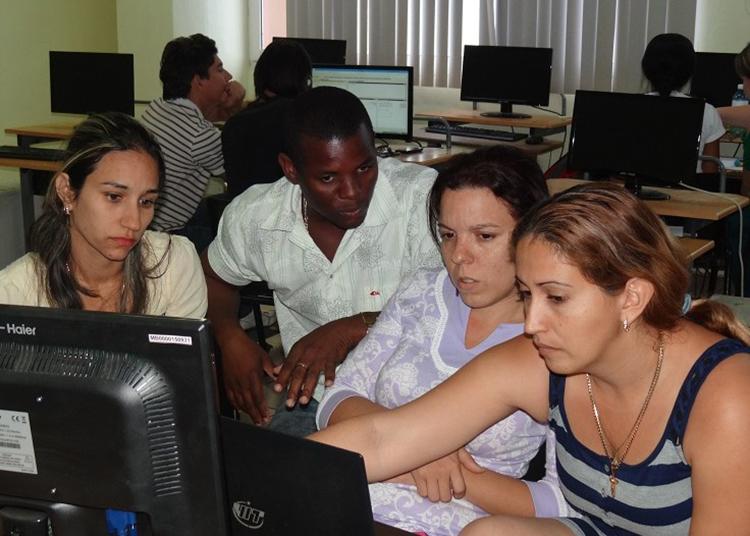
(648, 396)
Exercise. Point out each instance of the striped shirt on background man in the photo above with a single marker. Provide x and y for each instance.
(191, 146)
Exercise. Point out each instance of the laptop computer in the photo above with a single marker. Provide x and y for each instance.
(279, 485)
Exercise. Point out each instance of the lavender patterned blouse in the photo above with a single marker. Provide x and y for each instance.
(418, 342)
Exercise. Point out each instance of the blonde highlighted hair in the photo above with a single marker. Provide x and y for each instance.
(611, 236)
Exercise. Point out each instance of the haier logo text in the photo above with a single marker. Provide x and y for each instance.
(18, 329)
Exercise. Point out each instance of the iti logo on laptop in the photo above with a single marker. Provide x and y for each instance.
(248, 516)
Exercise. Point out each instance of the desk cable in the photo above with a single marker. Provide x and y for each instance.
(739, 245)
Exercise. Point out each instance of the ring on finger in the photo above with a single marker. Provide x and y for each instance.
(301, 364)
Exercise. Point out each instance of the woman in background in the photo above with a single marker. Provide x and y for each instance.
(668, 64)
(90, 248)
(437, 322)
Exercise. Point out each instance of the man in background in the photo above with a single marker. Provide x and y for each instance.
(195, 88)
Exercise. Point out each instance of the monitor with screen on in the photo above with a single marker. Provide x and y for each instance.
(386, 92)
(323, 51)
(506, 75)
(91, 82)
(715, 78)
(101, 410)
(638, 137)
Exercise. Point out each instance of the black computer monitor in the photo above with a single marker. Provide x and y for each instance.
(323, 51)
(91, 82)
(386, 92)
(715, 78)
(506, 75)
(101, 410)
(637, 137)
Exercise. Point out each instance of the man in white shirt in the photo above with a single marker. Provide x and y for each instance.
(195, 89)
(333, 239)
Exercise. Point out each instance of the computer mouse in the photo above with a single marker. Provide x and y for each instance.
(534, 140)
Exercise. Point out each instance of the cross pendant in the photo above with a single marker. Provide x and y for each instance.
(612, 485)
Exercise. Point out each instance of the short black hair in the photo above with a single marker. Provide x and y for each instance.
(668, 62)
(508, 172)
(182, 59)
(325, 113)
(284, 68)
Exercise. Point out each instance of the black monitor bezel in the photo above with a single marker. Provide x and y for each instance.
(62, 86)
(410, 113)
(614, 101)
(338, 44)
(710, 92)
(542, 100)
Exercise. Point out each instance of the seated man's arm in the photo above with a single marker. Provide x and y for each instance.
(318, 352)
(243, 360)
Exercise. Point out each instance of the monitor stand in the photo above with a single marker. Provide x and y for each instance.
(633, 185)
(506, 111)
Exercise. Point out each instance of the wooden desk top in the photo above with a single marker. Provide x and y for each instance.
(682, 204)
(536, 149)
(474, 116)
(694, 247)
(431, 156)
(52, 131)
(22, 163)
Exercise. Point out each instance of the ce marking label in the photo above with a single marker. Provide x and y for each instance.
(21, 419)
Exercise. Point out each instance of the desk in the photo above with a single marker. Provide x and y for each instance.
(683, 203)
(532, 149)
(26, 137)
(27, 168)
(694, 247)
(540, 125)
(431, 156)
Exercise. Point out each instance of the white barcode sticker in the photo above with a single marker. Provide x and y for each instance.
(16, 443)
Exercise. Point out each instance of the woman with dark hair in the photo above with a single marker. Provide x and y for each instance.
(435, 323)
(647, 393)
(253, 138)
(668, 64)
(90, 248)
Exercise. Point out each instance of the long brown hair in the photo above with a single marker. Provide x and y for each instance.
(50, 234)
(611, 236)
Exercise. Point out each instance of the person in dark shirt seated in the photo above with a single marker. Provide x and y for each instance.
(253, 138)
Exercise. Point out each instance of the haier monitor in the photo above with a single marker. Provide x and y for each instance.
(324, 51)
(636, 137)
(386, 92)
(506, 75)
(714, 78)
(107, 411)
(91, 82)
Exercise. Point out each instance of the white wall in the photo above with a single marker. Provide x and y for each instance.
(722, 25)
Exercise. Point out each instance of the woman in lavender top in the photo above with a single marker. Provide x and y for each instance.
(438, 321)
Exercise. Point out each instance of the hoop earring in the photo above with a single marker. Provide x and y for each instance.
(626, 325)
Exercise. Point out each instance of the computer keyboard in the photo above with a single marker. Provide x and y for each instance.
(31, 153)
(475, 132)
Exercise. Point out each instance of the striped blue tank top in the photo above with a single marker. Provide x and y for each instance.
(654, 496)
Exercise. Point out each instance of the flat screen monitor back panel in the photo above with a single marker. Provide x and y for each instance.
(714, 78)
(91, 82)
(326, 51)
(647, 136)
(516, 75)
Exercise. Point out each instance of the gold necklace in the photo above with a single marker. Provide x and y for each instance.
(616, 460)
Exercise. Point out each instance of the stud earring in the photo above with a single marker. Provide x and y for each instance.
(626, 325)
(66, 210)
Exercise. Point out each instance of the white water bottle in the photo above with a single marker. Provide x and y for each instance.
(739, 98)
